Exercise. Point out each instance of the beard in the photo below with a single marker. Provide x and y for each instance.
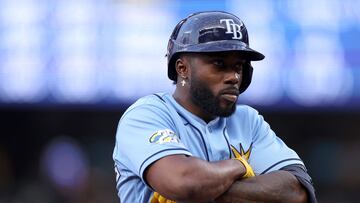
(202, 96)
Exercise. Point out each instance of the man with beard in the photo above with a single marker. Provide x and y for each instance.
(197, 145)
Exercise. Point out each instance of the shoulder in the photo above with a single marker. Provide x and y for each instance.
(148, 104)
(149, 100)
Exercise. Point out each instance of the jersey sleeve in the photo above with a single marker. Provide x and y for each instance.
(269, 152)
(304, 178)
(145, 134)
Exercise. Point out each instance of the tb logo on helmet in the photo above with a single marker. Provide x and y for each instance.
(233, 28)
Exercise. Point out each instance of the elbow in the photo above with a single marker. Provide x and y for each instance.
(294, 197)
(299, 196)
(302, 197)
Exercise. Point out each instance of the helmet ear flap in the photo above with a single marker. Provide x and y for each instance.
(171, 67)
(247, 76)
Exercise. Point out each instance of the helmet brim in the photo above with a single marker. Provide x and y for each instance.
(226, 46)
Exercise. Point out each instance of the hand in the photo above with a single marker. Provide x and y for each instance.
(157, 198)
(249, 171)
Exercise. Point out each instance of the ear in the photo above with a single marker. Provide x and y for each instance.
(182, 67)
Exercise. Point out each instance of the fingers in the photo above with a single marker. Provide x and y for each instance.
(157, 198)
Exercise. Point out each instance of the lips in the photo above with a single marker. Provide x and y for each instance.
(230, 95)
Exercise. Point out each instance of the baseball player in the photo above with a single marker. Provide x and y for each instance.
(197, 144)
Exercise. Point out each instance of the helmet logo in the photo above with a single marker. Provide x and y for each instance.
(233, 28)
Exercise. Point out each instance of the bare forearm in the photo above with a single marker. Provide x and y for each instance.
(193, 179)
(279, 186)
(209, 180)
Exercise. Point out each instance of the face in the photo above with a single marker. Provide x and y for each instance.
(215, 82)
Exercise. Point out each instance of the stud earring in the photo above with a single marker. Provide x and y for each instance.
(237, 75)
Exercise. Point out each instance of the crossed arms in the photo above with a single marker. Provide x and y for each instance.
(192, 180)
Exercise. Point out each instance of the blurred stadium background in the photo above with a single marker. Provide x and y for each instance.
(69, 69)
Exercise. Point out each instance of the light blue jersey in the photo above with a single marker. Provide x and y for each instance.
(157, 126)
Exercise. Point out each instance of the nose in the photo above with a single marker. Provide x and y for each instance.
(233, 77)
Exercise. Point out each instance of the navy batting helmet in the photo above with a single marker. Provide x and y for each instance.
(211, 31)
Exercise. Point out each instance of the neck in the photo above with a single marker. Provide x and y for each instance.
(183, 97)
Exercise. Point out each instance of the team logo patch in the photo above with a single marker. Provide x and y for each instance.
(164, 136)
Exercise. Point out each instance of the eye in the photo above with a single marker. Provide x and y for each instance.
(239, 67)
(218, 63)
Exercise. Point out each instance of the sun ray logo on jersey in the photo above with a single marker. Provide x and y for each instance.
(244, 154)
(164, 136)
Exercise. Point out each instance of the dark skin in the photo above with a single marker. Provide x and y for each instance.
(196, 180)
